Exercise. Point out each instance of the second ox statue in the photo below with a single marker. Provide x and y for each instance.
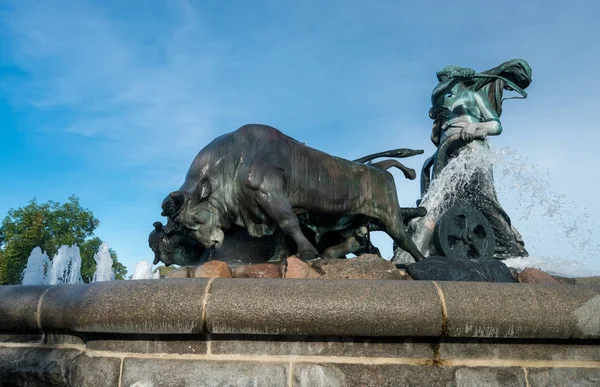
(261, 180)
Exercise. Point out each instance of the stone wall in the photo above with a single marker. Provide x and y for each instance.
(268, 332)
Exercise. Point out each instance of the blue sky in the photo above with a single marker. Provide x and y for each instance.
(111, 100)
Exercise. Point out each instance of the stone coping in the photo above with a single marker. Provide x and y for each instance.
(307, 307)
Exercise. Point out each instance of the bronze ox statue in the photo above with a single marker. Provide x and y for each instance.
(257, 180)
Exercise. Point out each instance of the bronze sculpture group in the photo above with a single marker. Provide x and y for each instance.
(257, 195)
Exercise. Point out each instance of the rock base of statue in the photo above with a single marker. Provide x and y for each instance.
(374, 267)
(450, 269)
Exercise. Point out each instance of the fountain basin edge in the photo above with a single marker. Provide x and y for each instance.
(290, 332)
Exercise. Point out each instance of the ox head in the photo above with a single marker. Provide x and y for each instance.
(195, 214)
(174, 248)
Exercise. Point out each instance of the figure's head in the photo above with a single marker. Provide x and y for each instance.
(195, 213)
(454, 71)
(174, 248)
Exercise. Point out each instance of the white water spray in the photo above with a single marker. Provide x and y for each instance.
(66, 266)
(442, 194)
(104, 262)
(38, 267)
(560, 235)
(143, 270)
(559, 232)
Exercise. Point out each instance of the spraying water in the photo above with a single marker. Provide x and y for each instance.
(104, 262)
(559, 233)
(66, 266)
(38, 267)
(143, 270)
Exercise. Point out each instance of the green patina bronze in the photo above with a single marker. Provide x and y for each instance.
(466, 108)
(258, 193)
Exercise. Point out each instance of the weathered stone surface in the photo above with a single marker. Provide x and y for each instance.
(47, 338)
(179, 344)
(572, 377)
(94, 371)
(397, 347)
(182, 272)
(155, 372)
(558, 350)
(213, 269)
(21, 338)
(531, 275)
(317, 307)
(259, 270)
(141, 306)
(332, 375)
(521, 310)
(18, 307)
(73, 338)
(297, 268)
(56, 367)
(164, 270)
(367, 266)
(594, 281)
(449, 269)
(588, 280)
(490, 377)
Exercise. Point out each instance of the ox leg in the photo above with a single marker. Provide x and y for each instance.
(409, 246)
(348, 246)
(277, 207)
(395, 229)
(394, 225)
(398, 233)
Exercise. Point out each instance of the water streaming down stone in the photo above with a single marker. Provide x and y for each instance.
(104, 263)
(38, 267)
(143, 270)
(66, 266)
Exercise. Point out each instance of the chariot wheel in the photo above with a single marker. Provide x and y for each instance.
(464, 233)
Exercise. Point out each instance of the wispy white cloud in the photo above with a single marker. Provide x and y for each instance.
(110, 82)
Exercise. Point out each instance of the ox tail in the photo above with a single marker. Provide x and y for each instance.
(398, 153)
(409, 213)
(409, 173)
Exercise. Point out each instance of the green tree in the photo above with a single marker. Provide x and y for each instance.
(49, 225)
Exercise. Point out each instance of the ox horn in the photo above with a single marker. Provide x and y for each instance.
(172, 203)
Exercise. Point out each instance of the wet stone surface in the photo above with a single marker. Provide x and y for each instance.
(449, 269)
(555, 350)
(572, 377)
(155, 372)
(399, 347)
(56, 367)
(176, 344)
(332, 375)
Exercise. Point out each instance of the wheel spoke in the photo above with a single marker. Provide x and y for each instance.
(454, 233)
(479, 245)
(458, 247)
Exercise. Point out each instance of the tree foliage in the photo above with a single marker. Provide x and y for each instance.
(49, 225)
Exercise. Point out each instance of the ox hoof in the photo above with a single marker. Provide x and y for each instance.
(308, 255)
